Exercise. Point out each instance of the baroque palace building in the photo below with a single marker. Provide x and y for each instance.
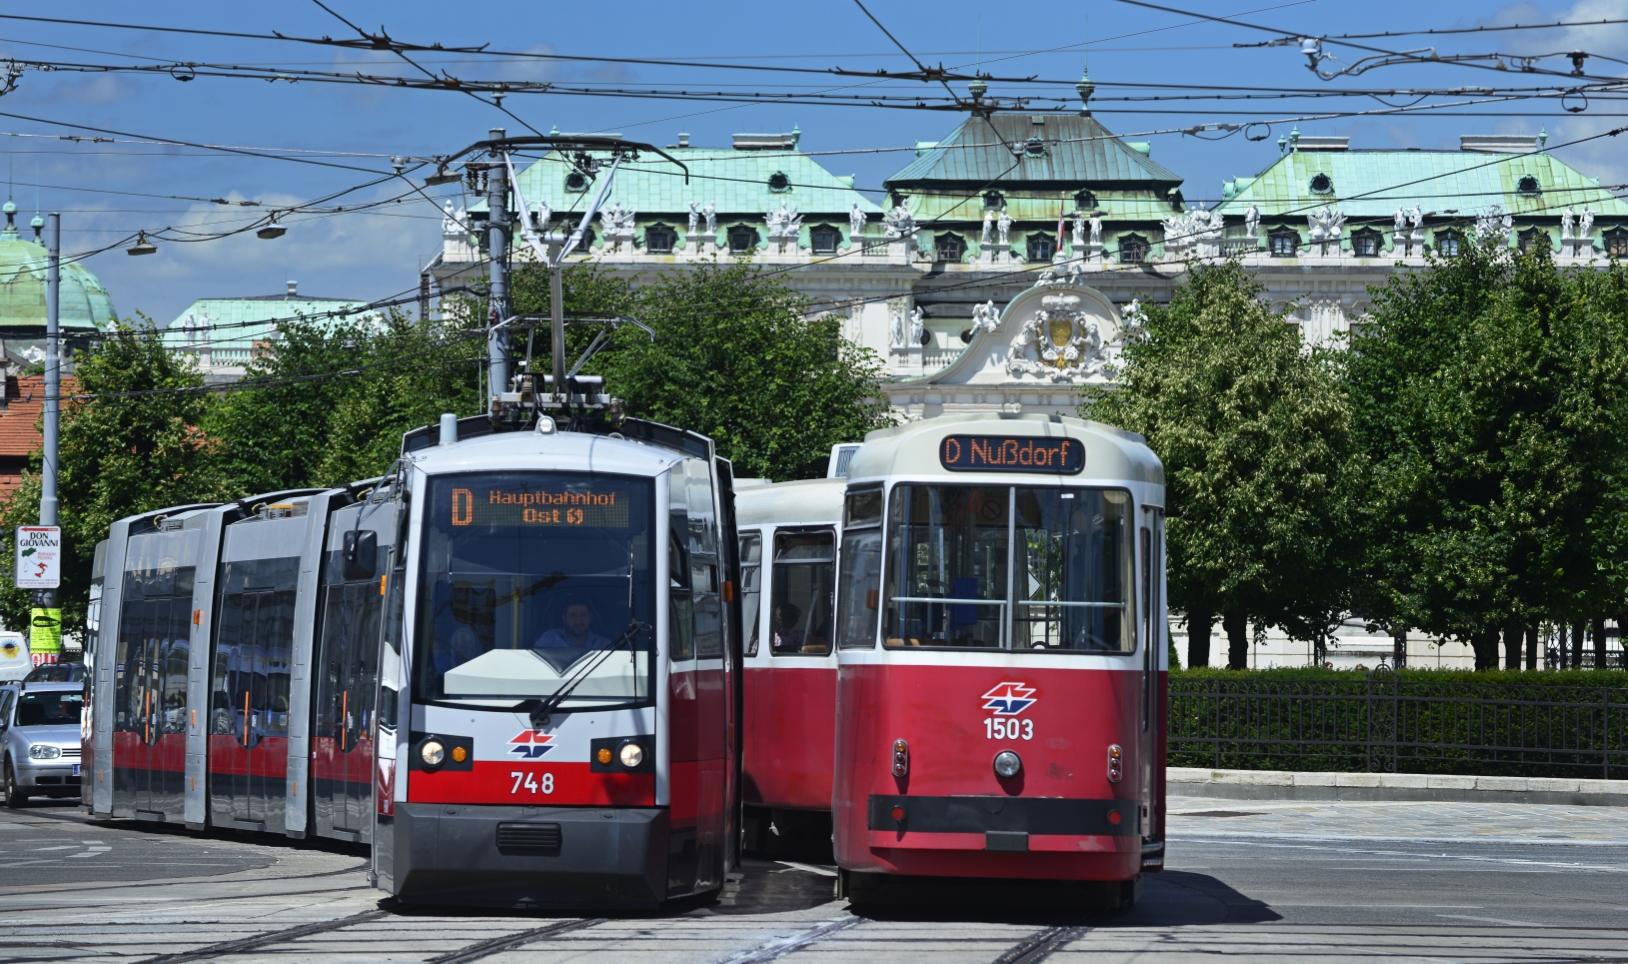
(934, 278)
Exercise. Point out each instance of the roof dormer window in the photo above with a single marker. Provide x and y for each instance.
(1528, 185)
(1322, 184)
(994, 200)
(576, 182)
(779, 182)
(1085, 200)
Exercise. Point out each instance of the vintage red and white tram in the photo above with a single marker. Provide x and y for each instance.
(1000, 643)
(788, 539)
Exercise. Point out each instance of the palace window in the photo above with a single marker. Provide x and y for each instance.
(1616, 244)
(576, 181)
(778, 182)
(1534, 238)
(659, 239)
(1285, 243)
(949, 248)
(824, 239)
(1041, 246)
(1322, 184)
(1133, 249)
(1366, 243)
(743, 239)
(1447, 243)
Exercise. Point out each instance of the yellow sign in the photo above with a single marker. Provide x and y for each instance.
(45, 635)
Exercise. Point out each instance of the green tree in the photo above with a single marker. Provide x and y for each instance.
(737, 358)
(1255, 436)
(329, 405)
(133, 444)
(1491, 391)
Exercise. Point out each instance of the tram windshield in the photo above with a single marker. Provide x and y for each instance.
(533, 583)
(1002, 567)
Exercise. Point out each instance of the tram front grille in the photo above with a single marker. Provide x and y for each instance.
(537, 839)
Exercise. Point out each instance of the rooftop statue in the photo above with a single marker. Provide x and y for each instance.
(986, 317)
(856, 221)
(695, 215)
(712, 218)
(899, 223)
(1252, 222)
(1004, 226)
(989, 227)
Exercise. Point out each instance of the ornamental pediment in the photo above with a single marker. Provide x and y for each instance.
(1059, 332)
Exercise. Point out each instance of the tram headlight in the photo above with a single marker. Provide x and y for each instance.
(1008, 764)
(41, 751)
(432, 753)
(631, 754)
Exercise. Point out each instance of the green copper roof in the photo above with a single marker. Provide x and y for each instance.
(82, 302)
(736, 182)
(233, 325)
(1068, 151)
(1373, 184)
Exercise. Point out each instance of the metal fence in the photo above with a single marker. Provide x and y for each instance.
(1385, 722)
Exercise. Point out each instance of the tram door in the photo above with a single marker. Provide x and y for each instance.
(151, 689)
(347, 678)
(249, 703)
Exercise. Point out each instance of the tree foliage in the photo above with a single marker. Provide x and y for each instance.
(1255, 436)
(122, 451)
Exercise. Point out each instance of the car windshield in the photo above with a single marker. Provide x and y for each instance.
(526, 580)
(50, 709)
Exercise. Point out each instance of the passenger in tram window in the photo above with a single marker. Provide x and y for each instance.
(787, 637)
(463, 646)
(577, 631)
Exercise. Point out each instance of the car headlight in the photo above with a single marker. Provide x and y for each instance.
(40, 751)
(1007, 764)
(432, 753)
(632, 754)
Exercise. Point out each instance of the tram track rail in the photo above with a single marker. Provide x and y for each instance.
(785, 945)
(262, 940)
(1042, 945)
(497, 945)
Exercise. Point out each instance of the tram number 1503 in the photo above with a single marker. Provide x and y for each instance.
(526, 780)
(999, 729)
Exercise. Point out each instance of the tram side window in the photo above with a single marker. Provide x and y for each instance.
(681, 607)
(804, 564)
(947, 562)
(150, 683)
(859, 577)
(751, 587)
(704, 580)
(1075, 570)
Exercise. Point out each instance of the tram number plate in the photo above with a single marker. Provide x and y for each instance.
(527, 781)
(996, 728)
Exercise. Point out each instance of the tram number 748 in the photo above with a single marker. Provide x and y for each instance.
(527, 780)
(1001, 729)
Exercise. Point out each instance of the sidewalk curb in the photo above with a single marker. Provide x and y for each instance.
(1291, 785)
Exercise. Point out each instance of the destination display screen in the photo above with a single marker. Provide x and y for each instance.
(1008, 453)
(603, 508)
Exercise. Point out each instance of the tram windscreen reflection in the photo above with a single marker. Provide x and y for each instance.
(525, 578)
(993, 567)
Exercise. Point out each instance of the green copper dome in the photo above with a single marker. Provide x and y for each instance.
(82, 304)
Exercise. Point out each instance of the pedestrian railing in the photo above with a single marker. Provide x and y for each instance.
(1385, 722)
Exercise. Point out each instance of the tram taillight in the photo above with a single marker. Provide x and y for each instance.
(901, 758)
(1116, 763)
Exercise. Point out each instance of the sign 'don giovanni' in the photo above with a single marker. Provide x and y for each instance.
(39, 557)
(1005, 453)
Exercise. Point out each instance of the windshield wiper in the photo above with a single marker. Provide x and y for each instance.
(542, 709)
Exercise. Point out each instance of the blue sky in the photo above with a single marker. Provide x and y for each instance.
(108, 190)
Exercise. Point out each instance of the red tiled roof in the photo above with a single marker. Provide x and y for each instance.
(20, 425)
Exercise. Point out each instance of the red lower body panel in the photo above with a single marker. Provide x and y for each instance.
(790, 736)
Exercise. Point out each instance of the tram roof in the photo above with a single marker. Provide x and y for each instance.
(556, 451)
(790, 503)
(912, 449)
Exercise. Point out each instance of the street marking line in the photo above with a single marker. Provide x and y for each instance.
(1497, 920)
(808, 868)
(786, 945)
(499, 944)
(252, 943)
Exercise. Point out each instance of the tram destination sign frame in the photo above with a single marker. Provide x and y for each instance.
(1011, 453)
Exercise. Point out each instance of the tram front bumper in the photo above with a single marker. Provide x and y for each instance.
(600, 856)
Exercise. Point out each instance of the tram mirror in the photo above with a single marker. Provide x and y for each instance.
(361, 554)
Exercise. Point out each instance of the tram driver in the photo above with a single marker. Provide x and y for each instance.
(575, 636)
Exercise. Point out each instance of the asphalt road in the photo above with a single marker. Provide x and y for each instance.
(1257, 881)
